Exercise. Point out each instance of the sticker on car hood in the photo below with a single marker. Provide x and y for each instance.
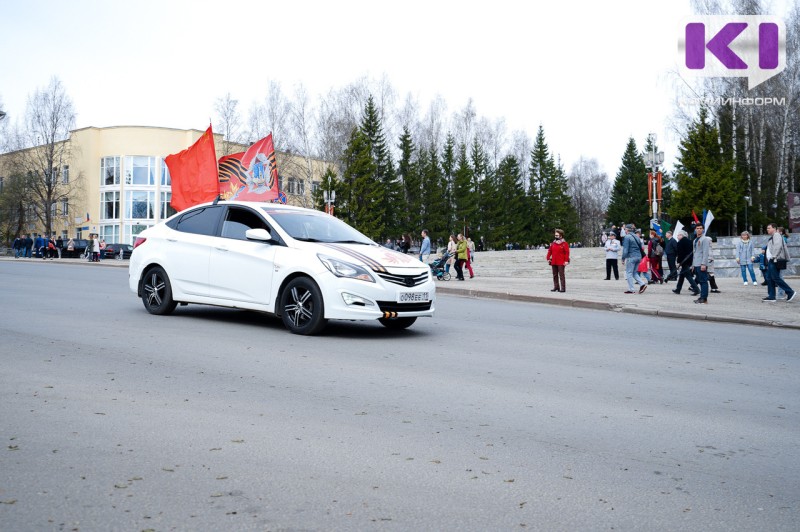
(377, 258)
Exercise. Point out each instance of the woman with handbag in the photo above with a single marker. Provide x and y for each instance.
(777, 259)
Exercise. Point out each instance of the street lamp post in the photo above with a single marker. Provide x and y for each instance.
(652, 160)
(330, 198)
(746, 201)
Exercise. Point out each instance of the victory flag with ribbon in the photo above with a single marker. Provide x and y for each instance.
(251, 175)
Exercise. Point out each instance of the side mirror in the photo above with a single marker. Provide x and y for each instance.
(258, 234)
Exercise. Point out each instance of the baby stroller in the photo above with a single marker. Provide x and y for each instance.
(437, 267)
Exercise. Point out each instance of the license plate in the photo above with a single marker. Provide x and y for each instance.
(413, 297)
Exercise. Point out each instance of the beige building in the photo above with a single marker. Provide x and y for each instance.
(119, 184)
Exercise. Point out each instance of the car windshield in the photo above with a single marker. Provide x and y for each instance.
(316, 227)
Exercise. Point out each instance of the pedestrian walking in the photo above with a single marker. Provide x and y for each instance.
(701, 257)
(632, 253)
(777, 258)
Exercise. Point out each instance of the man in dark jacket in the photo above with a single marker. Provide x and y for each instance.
(683, 258)
(671, 251)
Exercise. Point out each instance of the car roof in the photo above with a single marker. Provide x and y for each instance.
(268, 205)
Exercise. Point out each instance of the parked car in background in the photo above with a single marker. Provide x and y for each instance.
(301, 265)
(118, 251)
(78, 251)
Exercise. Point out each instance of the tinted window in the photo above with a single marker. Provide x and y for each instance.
(239, 220)
(203, 221)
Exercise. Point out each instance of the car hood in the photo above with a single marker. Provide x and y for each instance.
(376, 258)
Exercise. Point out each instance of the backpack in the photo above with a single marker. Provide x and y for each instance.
(658, 250)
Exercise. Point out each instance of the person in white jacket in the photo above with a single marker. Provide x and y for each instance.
(613, 247)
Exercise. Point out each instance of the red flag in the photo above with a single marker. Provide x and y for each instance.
(696, 221)
(194, 173)
(260, 171)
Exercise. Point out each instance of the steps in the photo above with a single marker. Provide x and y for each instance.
(590, 262)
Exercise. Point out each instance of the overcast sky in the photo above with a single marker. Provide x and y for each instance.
(592, 73)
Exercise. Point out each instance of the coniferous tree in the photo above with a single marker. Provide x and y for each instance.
(541, 166)
(510, 212)
(463, 192)
(705, 177)
(387, 189)
(558, 208)
(449, 161)
(436, 212)
(361, 198)
(629, 194)
(485, 194)
(408, 170)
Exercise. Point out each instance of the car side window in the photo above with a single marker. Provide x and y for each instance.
(203, 221)
(238, 221)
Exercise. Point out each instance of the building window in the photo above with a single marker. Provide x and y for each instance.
(109, 205)
(166, 208)
(65, 174)
(140, 170)
(166, 179)
(65, 207)
(140, 204)
(132, 231)
(109, 233)
(315, 186)
(296, 186)
(109, 171)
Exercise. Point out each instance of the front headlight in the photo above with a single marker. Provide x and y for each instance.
(340, 268)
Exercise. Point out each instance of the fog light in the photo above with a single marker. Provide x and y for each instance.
(352, 299)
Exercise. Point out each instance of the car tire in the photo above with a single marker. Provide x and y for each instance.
(157, 292)
(397, 324)
(302, 307)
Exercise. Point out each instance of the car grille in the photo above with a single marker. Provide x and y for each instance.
(405, 280)
(392, 306)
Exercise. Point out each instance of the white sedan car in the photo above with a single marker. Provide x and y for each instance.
(300, 264)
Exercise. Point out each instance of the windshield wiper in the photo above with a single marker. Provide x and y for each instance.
(353, 242)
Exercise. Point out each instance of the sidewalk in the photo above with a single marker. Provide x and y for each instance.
(735, 304)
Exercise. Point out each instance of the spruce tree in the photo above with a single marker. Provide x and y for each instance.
(705, 177)
(436, 212)
(485, 194)
(360, 205)
(629, 194)
(540, 167)
(448, 175)
(464, 192)
(387, 189)
(558, 208)
(510, 212)
(408, 172)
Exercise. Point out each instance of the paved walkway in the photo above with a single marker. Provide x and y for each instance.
(735, 304)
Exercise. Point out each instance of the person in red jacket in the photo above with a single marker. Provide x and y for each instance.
(557, 258)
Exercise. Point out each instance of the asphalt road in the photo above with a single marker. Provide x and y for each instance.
(490, 416)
